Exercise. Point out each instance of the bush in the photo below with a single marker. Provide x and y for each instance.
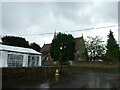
(66, 63)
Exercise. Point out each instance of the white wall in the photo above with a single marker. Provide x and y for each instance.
(0, 58)
(3, 59)
(39, 63)
(25, 60)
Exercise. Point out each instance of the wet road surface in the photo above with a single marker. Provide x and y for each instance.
(80, 78)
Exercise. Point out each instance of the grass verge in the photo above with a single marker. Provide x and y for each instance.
(97, 66)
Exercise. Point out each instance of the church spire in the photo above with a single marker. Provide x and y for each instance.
(55, 35)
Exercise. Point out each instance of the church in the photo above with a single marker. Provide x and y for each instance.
(79, 49)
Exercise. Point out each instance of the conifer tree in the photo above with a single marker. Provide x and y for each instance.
(112, 52)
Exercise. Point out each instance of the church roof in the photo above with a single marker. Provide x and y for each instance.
(45, 48)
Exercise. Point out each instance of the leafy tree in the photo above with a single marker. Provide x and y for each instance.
(95, 48)
(62, 48)
(112, 52)
(35, 46)
(15, 41)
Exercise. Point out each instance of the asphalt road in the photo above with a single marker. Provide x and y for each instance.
(80, 78)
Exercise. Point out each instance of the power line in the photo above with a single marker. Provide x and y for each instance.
(93, 28)
(87, 29)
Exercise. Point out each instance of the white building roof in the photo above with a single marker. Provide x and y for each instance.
(17, 49)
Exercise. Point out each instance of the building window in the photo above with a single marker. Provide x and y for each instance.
(33, 60)
(14, 60)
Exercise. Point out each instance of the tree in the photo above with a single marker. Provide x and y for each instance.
(15, 41)
(112, 52)
(62, 48)
(95, 48)
(35, 46)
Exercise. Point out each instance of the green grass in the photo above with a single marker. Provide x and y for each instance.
(96, 66)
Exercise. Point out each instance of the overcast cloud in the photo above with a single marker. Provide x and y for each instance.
(39, 17)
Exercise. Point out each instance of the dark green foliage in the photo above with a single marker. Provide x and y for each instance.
(62, 48)
(112, 52)
(15, 41)
(66, 63)
(35, 46)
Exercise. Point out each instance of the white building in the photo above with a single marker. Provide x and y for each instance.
(12, 56)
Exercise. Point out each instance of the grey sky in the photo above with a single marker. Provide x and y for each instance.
(20, 18)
